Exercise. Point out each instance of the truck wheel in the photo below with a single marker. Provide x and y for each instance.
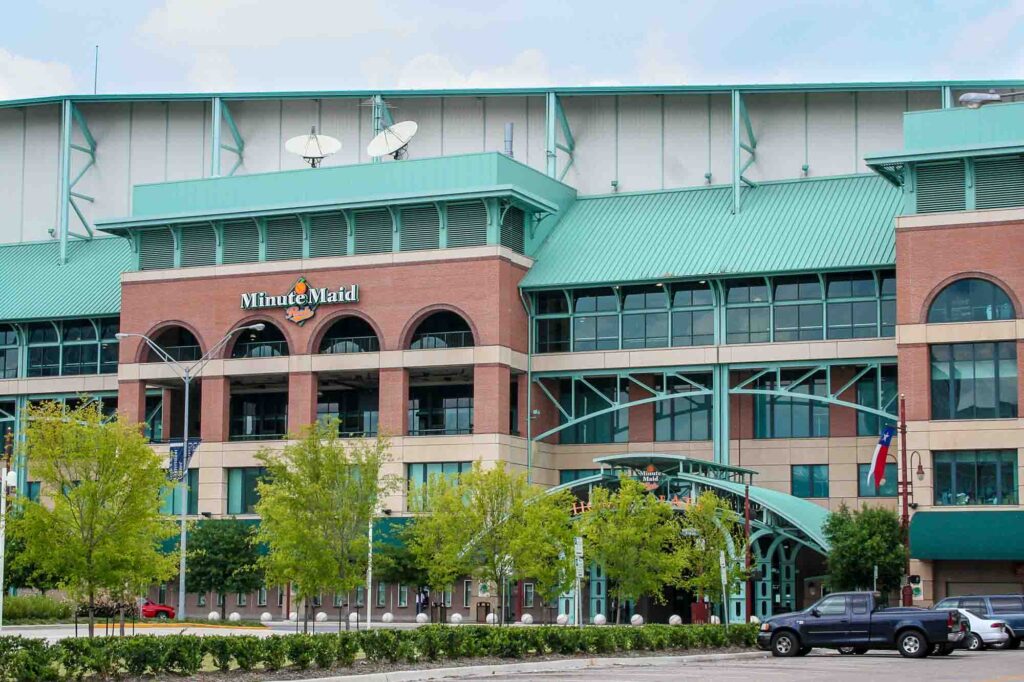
(785, 644)
(847, 650)
(973, 642)
(912, 644)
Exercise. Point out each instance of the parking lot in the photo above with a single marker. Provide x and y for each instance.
(1001, 666)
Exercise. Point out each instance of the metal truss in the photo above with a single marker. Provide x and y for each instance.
(71, 115)
(221, 112)
(741, 116)
(555, 119)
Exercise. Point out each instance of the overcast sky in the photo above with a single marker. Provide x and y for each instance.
(46, 46)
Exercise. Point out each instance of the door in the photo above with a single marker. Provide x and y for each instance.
(859, 628)
(828, 622)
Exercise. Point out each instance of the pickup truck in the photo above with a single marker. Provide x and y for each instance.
(1007, 608)
(855, 620)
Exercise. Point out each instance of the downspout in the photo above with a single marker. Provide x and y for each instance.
(529, 387)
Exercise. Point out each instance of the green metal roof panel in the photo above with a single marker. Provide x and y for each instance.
(967, 535)
(36, 286)
(792, 226)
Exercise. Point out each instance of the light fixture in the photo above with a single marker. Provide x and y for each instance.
(920, 471)
(976, 100)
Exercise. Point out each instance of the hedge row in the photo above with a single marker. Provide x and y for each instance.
(23, 659)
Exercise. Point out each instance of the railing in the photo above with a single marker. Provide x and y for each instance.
(351, 344)
(440, 432)
(256, 436)
(425, 340)
(260, 349)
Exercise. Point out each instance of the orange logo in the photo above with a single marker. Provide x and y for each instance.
(650, 477)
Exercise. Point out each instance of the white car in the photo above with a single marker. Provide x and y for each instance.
(984, 631)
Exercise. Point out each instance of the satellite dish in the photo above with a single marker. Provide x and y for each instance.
(392, 140)
(313, 148)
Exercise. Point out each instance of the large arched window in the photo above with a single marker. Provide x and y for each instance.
(350, 335)
(443, 329)
(180, 344)
(269, 342)
(971, 300)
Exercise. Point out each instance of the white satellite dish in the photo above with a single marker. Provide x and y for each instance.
(392, 140)
(313, 148)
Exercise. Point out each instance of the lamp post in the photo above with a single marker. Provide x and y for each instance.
(905, 483)
(187, 373)
(8, 479)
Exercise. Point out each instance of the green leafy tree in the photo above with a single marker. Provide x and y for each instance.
(21, 572)
(223, 558)
(860, 541)
(316, 503)
(710, 528)
(543, 547)
(101, 529)
(635, 537)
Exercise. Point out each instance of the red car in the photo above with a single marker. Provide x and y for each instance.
(150, 609)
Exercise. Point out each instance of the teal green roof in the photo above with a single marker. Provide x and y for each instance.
(36, 286)
(792, 226)
(967, 535)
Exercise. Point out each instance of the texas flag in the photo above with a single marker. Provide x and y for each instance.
(876, 472)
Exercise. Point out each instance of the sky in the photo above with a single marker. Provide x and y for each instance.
(47, 46)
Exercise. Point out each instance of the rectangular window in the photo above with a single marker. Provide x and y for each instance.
(595, 323)
(355, 410)
(220, 599)
(419, 473)
(161, 597)
(360, 596)
(528, 595)
(243, 493)
(200, 600)
(32, 490)
(747, 325)
(318, 600)
(170, 496)
(889, 485)
(809, 480)
(467, 593)
(441, 410)
(447, 598)
(259, 416)
(868, 395)
(798, 311)
(337, 600)
(974, 380)
(403, 596)
(645, 330)
(570, 475)
(8, 352)
(975, 477)
(280, 596)
(777, 416)
(608, 427)
(685, 418)
(382, 594)
(553, 335)
(261, 596)
(241, 599)
(693, 327)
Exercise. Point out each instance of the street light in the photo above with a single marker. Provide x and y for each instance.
(187, 374)
(976, 100)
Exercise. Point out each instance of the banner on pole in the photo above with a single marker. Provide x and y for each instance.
(179, 458)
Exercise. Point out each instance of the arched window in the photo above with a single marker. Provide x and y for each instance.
(350, 335)
(269, 342)
(180, 344)
(443, 329)
(971, 300)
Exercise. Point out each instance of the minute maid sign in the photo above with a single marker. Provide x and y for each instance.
(301, 302)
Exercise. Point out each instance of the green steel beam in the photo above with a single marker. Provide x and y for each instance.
(239, 148)
(550, 133)
(815, 398)
(751, 138)
(84, 128)
(64, 171)
(215, 146)
(570, 141)
(947, 96)
(856, 377)
(736, 171)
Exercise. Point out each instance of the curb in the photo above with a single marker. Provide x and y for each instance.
(474, 671)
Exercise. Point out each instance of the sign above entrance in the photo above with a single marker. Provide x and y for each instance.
(650, 477)
(301, 302)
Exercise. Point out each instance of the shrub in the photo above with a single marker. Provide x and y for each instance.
(273, 652)
(106, 606)
(348, 647)
(221, 650)
(35, 607)
(141, 654)
(325, 650)
(247, 650)
(300, 650)
(183, 654)
(23, 659)
(380, 645)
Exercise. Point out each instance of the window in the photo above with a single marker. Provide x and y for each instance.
(161, 597)
(259, 416)
(467, 593)
(595, 324)
(443, 329)
(570, 475)
(809, 480)
(446, 598)
(356, 411)
(419, 474)
(242, 491)
(685, 417)
(280, 596)
(553, 335)
(798, 311)
(71, 347)
(8, 352)
(241, 599)
(32, 490)
(859, 604)
(642, 329)
(609, 427)
(791, 416)
(975, 477)
(887, 282)
(170, 497)
(360, 596)
(528, 595)
(747, 325)
(220, 599)
(261, 596)
(382, 594)
(43, 349)
(693, 315)
(832, 606)
(441, 410)
(318, 600)
(868, 395)
(200, 600)
(866, 488)
(268, 343)
(852, 306)
(350, 335)
(1006, 604)
(403, 596)
(970, 300)
(974, 380)
(337, 601)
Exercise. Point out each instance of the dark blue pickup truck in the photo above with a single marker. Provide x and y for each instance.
(1008, 608)
(853, 620)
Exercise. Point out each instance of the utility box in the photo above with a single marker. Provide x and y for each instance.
(482, 609)
(700, 612)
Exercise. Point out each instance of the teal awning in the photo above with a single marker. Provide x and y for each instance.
(967, 535)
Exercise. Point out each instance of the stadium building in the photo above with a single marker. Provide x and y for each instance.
(706, 287)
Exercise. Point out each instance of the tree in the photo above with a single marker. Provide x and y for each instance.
(316, 504)
(635, 537)
(20, 572)
(102, 528)
(543, 547)
(711, 527)
(223, 558)
(861, 540)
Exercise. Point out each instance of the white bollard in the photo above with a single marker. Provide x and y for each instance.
(715, 620)
(600, 619)
(455, 618)
(422, 618)
(234, 616)
(266, 617)
(492, 618)
(353, 617)
(562, 619)
(674, 619)
(293, 616)
(527, 619)
(637, 619)
(321, 617)
(755, 620)
(387, 617)
(213, 616)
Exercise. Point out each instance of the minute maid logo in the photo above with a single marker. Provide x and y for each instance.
(650, 477)
(301, 302)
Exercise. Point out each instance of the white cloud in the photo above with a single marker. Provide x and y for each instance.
(654, 64)
(528, 68)
(212, 72)
(24, 77)
(990, 45)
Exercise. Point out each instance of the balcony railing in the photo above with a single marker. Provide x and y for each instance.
(189, 353)
(260, 349)
(425, 340)
(351, 344)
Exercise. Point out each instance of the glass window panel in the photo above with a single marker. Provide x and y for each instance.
(644, 298)
(691, 294)
(866, 488)
(888, 282)
(747, 291)
(970, 300)
(975, 477)
(595, 300)
(552, 302)
(553, 335)
(974, 381)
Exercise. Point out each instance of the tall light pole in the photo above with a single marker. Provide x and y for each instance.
(8, 479)
(187, 373)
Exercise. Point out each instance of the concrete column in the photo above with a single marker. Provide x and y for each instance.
(216, 409)
(168, 413)
(302, 388)
(131, 401)
(524, 387)
(641, 417)
(491, 398)
(394, 401)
